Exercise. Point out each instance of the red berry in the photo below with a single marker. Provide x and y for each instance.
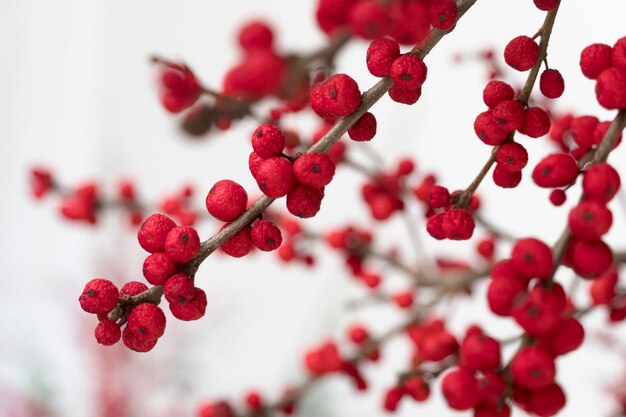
(133, 288)
(107, 333)
(147, 320)
(268, 141)
(594, 59)
(226, 200)
(369, 19)
(496, 92)
(533, 368)
(274, 177)
(438, 197)
(505, 178)
(443, 14)
(567, 337)
(558, 197)
(314, 169)
(158, 267)
(531, 258)
(358, 334)
(137, 341)
(99, 296)
(239, 245)
(304, 201)
(536, 123)
(179, 288)
(539, 311)
(393, 396)
(590, 220)
(434, 226)
(547, 402)
(380, 55)
(331, 14)
(256, 35)
(488, 130)
(480, 352)
(590, 258)
(611, 88)
(408, 71)
(618, 56)
(338, 96)
(216, 409)
(600, 183)
(254, 401)
(182, 244)
(556, 170)
(364, 129)
(486, 248)
(460, 388)
(602, 289)
(551, 83)
(403, 299)
(192, 309)
(546, 5)
(153, 231)
(521, 53)
(509, 115)
(405, 95)
(502, 292)
(512, 156)
(266, 235)
(417, 388)
(458, 224)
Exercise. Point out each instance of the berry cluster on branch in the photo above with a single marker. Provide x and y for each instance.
(475, 371)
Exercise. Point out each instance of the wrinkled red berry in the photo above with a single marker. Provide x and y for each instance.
(314, 169)
(153, 231)
(521, 53)
(551, 83)
(266, 235)
(267, 141)
(380, 55)
(556, 170)
(182, 244)
(99, 296)
(338, 96)
(364, 129)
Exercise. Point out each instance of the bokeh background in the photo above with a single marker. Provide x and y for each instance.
(78, 94)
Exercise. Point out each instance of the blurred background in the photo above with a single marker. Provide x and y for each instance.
(78, 95)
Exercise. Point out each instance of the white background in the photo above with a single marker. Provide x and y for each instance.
(77, 93)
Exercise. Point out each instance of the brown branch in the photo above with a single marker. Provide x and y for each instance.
(369, 98)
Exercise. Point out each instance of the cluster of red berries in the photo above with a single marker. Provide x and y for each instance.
(179, 88)
(445, 220)
(145, 323)
(495, 127)
(406, 21)
(354, 244)
(408, 72)
(607, 66)
(301, 181)
(383, 193)
(86, 202)
(171, 247)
